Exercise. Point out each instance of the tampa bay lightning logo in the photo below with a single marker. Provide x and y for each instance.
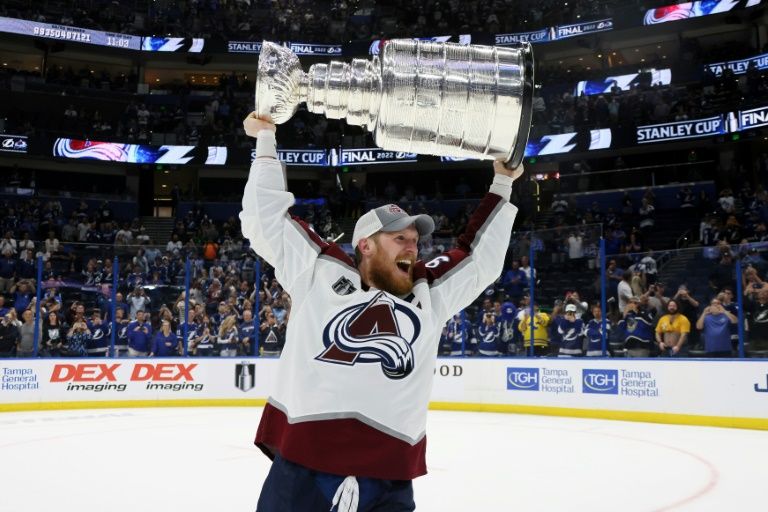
(373, 332)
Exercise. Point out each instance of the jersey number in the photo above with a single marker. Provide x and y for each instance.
(437, 261)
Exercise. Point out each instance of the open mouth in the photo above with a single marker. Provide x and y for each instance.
(404, 266)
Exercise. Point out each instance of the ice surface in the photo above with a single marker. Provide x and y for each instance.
(203, 459)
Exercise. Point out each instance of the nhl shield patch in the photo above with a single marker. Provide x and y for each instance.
(245, 376)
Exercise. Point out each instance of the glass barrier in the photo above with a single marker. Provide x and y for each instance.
(566, 289)
(558, 296)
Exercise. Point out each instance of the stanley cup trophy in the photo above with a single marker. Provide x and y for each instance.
(422, 97)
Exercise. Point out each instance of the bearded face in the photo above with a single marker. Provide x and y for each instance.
(391, 265)
(672, 307)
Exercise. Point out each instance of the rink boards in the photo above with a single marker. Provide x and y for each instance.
(700, 392)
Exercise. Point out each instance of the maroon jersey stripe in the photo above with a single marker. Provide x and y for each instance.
(451, 258)
(328, 249)
(346, 447)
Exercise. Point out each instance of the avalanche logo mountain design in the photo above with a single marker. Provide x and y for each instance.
(378, 331)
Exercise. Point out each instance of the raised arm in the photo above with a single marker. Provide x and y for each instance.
(284, 242)
(459, 275)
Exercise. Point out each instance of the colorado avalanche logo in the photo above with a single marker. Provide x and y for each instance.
(371, 333)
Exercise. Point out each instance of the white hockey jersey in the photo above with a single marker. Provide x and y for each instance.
(356, 372)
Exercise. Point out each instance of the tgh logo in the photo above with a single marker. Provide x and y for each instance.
(600, 381)
(523, 379)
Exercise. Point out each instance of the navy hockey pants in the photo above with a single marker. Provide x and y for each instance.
(290, 487)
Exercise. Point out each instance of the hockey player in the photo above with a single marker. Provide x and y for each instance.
(346, 422)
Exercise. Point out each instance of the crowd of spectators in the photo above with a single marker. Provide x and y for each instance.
(649, 103)
(77, 301)
(327, 21)
(648, 314)
(646, 317)
(231, 314)
(197, 115)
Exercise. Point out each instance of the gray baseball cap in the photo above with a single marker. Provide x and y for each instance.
(388, 218)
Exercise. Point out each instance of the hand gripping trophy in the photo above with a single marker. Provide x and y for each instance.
(422, 97)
